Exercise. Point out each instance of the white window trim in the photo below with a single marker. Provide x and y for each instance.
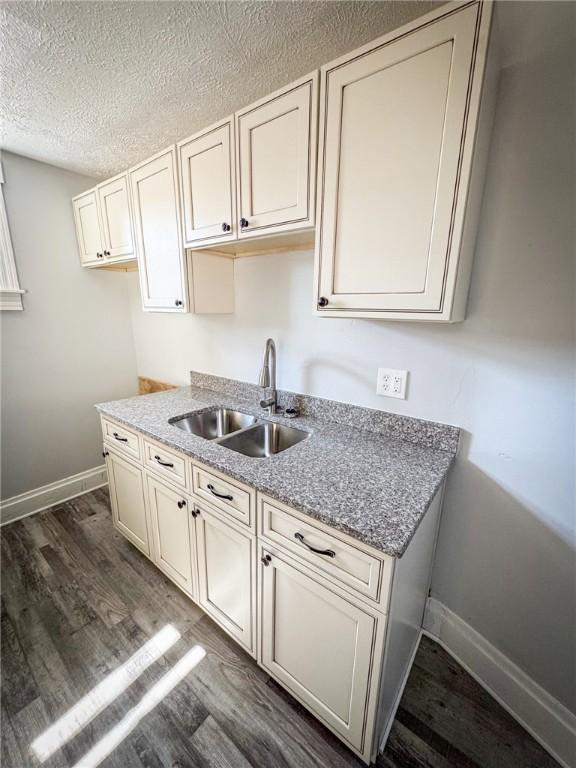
(10, 291)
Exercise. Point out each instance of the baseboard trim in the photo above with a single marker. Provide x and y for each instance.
(39, 499)
(544, 717)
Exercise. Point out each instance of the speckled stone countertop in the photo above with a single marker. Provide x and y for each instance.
(364, 482)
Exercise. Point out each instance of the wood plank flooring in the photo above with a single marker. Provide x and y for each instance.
(78, 601)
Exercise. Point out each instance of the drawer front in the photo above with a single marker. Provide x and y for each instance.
(327, 553)
(122, 438)
(166, 463)
(225, 494)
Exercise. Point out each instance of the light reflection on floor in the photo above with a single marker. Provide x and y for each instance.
(103, 694)
(151, 698)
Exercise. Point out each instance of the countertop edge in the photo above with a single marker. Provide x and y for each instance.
(395, 552)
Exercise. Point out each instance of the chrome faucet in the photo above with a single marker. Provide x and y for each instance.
(268, 376)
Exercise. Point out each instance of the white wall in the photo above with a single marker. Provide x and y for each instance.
(506, 376)
(72, 345)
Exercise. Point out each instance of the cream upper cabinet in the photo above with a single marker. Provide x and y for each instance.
(207, 181)
(161, 258)
(87, 223)
(227, 575)
(173, 532)
(115, 219)
(127, 499)
(317, 643)
(276, 160)
(397, 133)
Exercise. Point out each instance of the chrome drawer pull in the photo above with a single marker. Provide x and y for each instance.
(327, 552)
(219, 495)
(120, 439)
(163, 463)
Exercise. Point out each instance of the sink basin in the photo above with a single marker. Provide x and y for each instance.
(264, 440)
(213, 423)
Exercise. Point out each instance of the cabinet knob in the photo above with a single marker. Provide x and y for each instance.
(105, 453)
(106, 253)
(266, 560)
(195, 513)
(322, 302)
(226, 227)
(98, 255)
(244, 222)
(181, 504)
(178, 303)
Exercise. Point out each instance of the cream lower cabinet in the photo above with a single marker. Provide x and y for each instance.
(127, 498)
(332, 620)
(173, 533)
(227, 575)
(321, 644)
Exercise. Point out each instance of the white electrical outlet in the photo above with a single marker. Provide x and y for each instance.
(391, 383)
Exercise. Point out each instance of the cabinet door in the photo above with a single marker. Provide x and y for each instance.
(127, 498)
(391, 148)
(317, 644)
(226, 576)
(173, 532)
(207, 184)
(161, 262)
(276, 159)
(87, 224)
(115, 218)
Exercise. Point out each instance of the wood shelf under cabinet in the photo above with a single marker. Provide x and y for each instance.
(125, 266)
(287, 241)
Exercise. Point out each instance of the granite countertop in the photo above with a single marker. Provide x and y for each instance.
(367, 484)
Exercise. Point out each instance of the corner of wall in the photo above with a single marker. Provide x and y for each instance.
(544, 717)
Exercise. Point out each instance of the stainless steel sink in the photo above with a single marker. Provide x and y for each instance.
(264, 439)
(213, 423)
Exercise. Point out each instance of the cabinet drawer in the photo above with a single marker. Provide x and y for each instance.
(166, 463)
(225, 494)
(122, 438)
(328, 553)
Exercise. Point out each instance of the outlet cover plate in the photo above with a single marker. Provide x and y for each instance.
(392, 383)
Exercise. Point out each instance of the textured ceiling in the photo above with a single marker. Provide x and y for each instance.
(97, 86)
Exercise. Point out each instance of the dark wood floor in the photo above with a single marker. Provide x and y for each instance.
(78, 601)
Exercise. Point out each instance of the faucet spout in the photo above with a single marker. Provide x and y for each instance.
(268, 376)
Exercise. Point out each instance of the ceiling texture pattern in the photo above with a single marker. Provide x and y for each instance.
(98, 86)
